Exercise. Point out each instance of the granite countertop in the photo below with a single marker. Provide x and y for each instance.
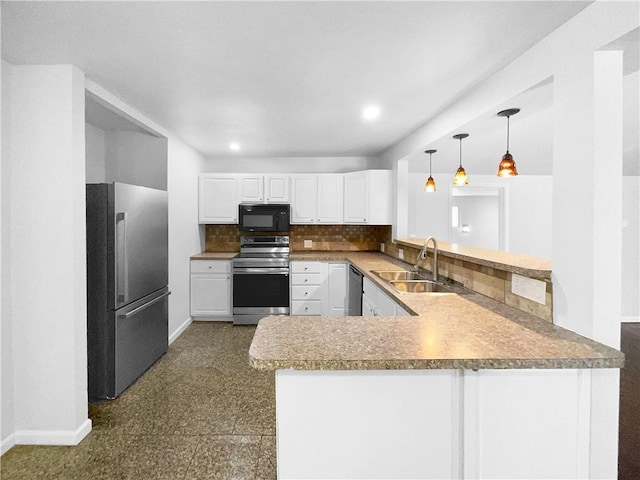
(214, 256)
(511, 262)
(449, 331)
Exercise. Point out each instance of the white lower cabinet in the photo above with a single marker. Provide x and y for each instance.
(376, 303)
(308, 284)
(318, 288)
(439, 424)
(368, 309)
(210, 289)
(337, 298)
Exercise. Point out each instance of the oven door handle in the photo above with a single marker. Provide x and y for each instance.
(261, 271)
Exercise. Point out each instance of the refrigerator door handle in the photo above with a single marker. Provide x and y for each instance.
(142, 307)
(122, 261)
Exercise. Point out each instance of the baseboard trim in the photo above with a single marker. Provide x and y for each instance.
(7, 443)
(52, 437)
(174, 336)
(630, 320)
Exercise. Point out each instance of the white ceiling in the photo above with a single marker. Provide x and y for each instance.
(281, 78)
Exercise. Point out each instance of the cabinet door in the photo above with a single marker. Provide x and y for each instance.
(356, 197)
(336, 302)
(330, 198)
(304, 198)
(218, 199)
(250, 189)
(210, 295)
(276, 189)
(368, 309)
(385, 306)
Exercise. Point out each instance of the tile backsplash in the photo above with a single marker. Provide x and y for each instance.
(226, 238)
(491, 282)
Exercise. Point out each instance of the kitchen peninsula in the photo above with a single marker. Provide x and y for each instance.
(468, 387)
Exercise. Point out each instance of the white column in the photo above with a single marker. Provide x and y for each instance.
(48, 254)
(572, 219)
(607, 197)
(607, 251)
(401, 224)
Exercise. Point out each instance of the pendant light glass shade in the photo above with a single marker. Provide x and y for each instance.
(430, 185)
(461, 176)
(507, 167)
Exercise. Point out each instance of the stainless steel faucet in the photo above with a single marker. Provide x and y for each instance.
(423, 255)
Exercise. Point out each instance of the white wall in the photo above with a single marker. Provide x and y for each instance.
(136, 158)
(186, 238)
(630, 297)
(7, 423)
(95, 153)
(291, 164)
(48, 274)
(528, 202)
(428, 212)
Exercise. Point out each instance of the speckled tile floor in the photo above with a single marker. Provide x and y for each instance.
(201, 412)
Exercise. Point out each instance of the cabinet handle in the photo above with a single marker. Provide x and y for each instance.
(306, 308)
(306, 280)
(306, 293)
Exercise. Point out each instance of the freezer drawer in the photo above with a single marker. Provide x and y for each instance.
(122, 344)
(141, 339)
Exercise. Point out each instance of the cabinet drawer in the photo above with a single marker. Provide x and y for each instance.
(301, 307)
(305, 279)
(306, 292)
(306, 267)
(210, 266)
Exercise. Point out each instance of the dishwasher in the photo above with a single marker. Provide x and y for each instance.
(354, 308)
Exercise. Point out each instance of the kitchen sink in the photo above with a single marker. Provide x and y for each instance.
(415, 282)
(392, 275)
(421, 286)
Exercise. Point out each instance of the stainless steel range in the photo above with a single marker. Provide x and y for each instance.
(260, 279)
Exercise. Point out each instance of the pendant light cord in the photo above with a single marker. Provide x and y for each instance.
(508, 134)
(461, 152)
(430, 164)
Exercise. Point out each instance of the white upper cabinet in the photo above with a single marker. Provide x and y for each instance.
(356, 197)
(250, 189)
(304, 198)
(276, 189)
(353, 198)
(367, 197)
(330, 198)
(218, 198)
(317, 198)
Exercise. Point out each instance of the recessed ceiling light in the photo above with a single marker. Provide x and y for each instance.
(371, 112)
(234, 146)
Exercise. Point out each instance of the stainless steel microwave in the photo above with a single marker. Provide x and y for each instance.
(258, 217)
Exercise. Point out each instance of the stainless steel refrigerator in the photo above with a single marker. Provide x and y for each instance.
(127, 284)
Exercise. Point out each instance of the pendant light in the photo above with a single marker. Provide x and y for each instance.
(430, 186)
(507, 167)
(461, 176)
